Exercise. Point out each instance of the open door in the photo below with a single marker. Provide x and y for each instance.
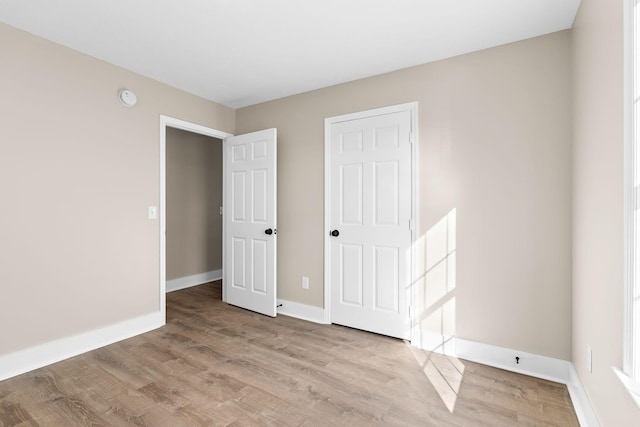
(249, 200)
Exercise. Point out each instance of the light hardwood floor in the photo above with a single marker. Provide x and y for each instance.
(215, 364)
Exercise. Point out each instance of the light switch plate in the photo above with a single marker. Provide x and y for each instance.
(153, 212)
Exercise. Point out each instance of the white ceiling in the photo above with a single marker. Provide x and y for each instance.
(242, 52)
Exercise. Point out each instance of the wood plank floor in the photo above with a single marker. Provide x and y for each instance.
(218, 365)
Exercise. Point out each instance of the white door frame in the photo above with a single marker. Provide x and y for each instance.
(166, 121)
(328, 122)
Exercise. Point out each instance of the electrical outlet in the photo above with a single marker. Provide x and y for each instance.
(305, 282)
(589, 359)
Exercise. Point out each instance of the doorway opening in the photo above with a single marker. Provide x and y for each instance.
(170, 128)
(194, 209)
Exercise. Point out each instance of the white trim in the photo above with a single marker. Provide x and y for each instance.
(433, 342)
(302, 311)
(163, 218)
(581, 404)
(193, 280)
(415, 218)
(534, 365)
(328, 122)
(327, 220)
(31, 358)
(371, 113)
(629, 190)
(166, 121)
(530, 364)
(193, 127)
(630, 384)
(629, 374)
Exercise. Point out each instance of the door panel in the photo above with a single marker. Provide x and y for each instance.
(259, 266)
(370, 184)
(238, 191)
(238, 262)
(351, 278)
(259, 196)
(351, 189)
(385, 279)
(385, 193)
(250, 209)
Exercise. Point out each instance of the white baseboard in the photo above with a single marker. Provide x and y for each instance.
(433, 342)
(534, 365)
(31, 358)
(581, 404)
(194, 280)
(530, 364)
(302, 311)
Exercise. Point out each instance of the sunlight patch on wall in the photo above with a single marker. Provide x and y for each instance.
(434, 314)
(433, 286)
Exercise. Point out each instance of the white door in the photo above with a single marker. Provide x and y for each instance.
(370, 236)
(250, 221)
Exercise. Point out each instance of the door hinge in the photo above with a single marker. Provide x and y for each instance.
(410, 137)
(411, 224)
(409, 312)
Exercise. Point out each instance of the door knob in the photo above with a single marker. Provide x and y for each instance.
(335, 233)
(268, 231)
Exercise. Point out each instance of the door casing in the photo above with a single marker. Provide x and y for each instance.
(412, 107)
(166, 121)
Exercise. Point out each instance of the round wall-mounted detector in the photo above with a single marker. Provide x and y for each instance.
(127, 98)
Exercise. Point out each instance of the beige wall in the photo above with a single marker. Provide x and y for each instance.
(597, 44)
(495, 131)
(77, 173)
(78, 170)
(194, 197)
